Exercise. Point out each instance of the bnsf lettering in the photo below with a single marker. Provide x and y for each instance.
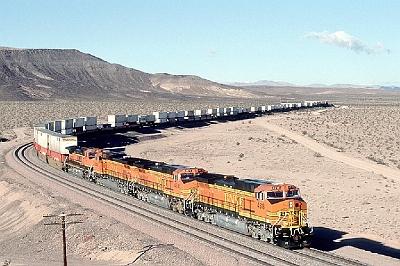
(112, 168)
(162, 181)
(232, 198)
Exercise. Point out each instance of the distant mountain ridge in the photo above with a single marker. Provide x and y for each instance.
(271, 83)
(46, 74)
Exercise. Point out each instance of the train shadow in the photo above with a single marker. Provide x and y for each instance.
(328, 239)
(127, 136)
(110, 138)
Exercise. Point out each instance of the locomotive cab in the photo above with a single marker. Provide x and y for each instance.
(187, 174)
(288, 213)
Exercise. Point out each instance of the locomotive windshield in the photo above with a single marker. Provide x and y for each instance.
(292, 193)
(186, 177)
(274, 195)
(282, 194)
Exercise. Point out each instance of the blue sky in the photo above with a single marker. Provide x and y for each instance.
(301, 42)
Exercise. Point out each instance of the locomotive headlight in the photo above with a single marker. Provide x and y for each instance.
(290, 204)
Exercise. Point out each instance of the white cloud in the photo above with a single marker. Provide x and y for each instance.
(345, 40)
(212, 53)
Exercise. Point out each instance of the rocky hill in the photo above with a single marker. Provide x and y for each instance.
(48, 74)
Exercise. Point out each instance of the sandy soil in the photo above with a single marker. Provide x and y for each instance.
(347, 173)
(352, 201)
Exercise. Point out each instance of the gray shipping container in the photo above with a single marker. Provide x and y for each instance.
(150, 118)
(142, 119)
(161, 120)
(189, 113)
(212, 111)
(78, 122)
(67, 131)
(132, 118)
(180, 114)
(171, 115)
(57, 126)
(67, 124)
(90, 127)
(90, 121)
(159, 115)
(116, 118)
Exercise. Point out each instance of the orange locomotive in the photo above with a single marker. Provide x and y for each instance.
(273, 212)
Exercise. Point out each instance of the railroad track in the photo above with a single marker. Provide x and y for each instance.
(254, 251)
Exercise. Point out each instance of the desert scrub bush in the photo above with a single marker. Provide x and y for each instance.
(7, 262)
(317, 154)
(377, 160)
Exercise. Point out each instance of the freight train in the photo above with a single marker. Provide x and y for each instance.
(273, 212)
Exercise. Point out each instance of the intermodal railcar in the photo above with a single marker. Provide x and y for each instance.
(273, 212)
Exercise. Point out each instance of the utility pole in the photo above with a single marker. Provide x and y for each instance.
(63, 226)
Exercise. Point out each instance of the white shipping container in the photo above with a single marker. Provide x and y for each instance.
(42, 138)
(227, 111)
(59, 142)
(54, 143)
(221, 111)
(36, 128)
(200, 112)
(234, 110)
(131, 118)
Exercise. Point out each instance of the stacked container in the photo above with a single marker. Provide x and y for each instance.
(171, 116)
(180, 116)
(117, 121)
(66, 126)
(160, 117)
(90, 123)
(132, 120)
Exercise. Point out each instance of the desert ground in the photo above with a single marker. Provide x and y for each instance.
(345, 159)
